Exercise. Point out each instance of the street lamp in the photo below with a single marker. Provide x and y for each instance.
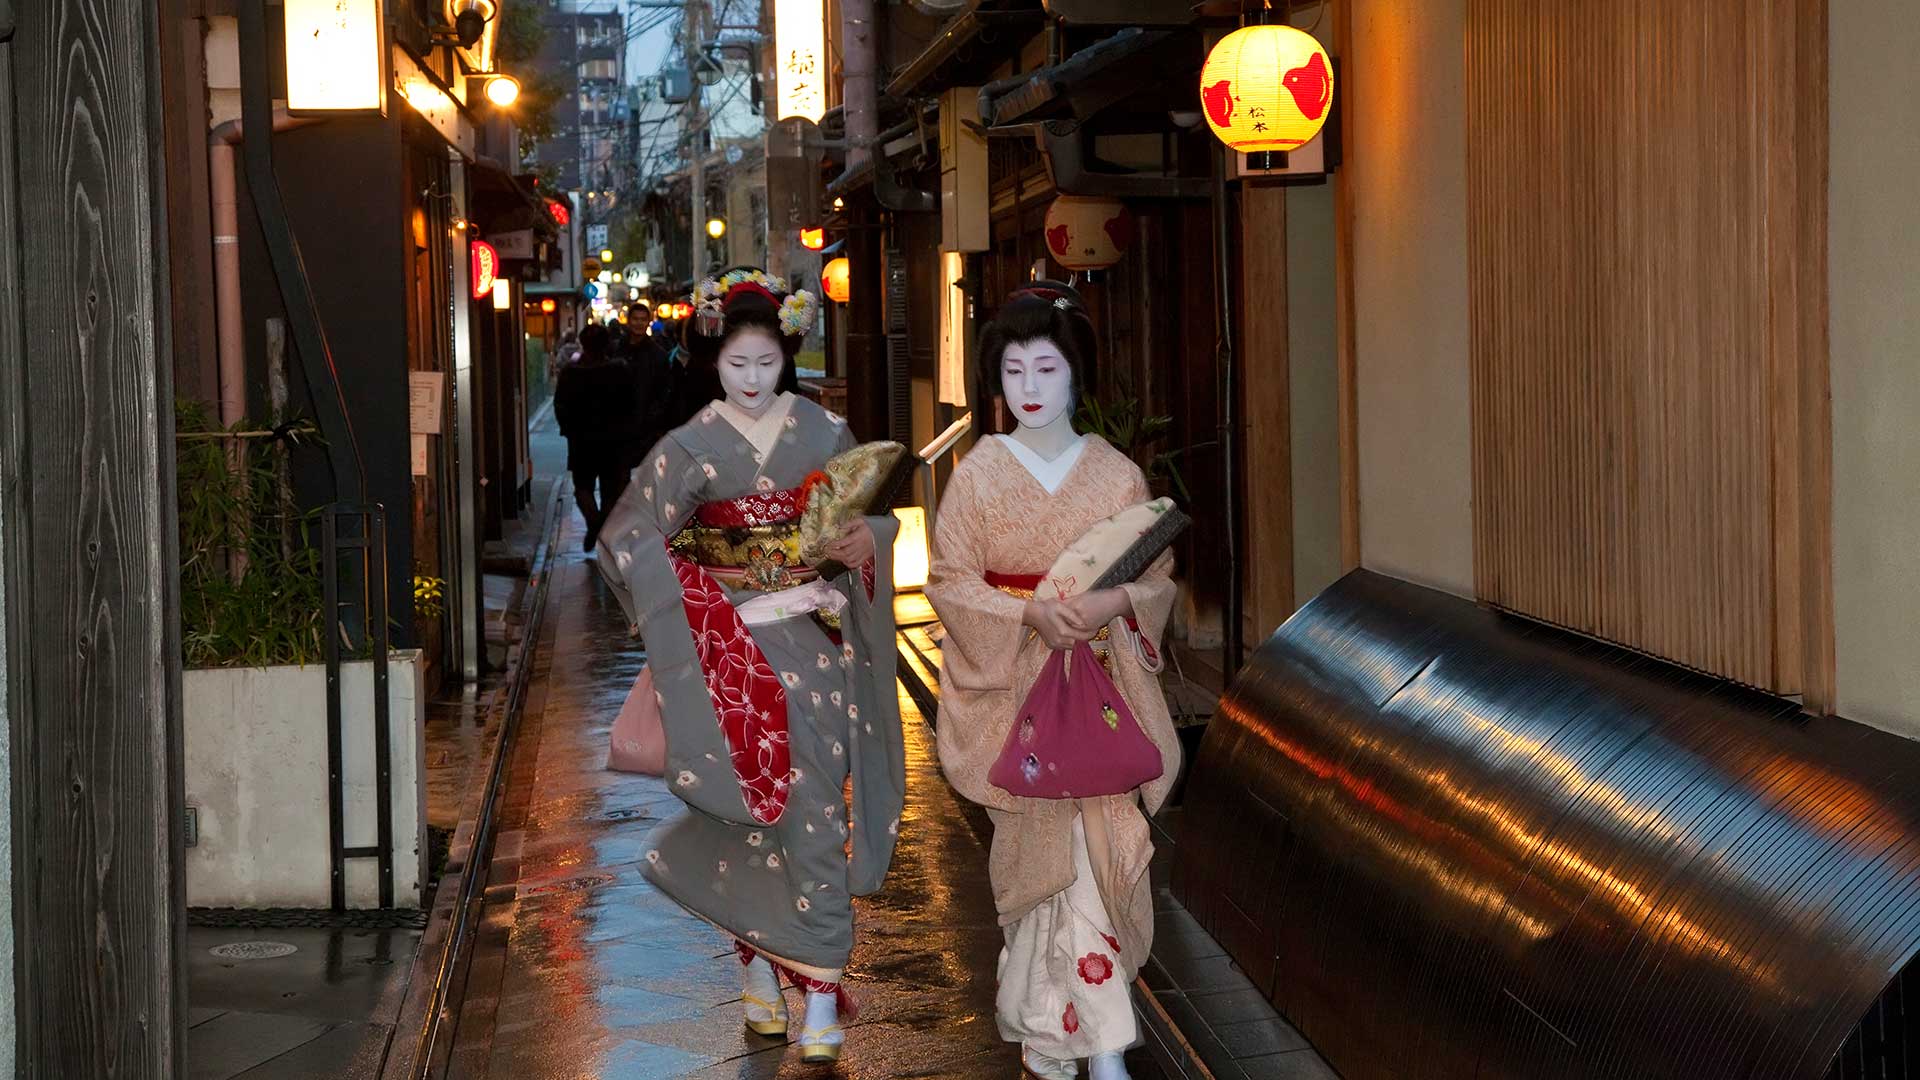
(716, 228)
(606, 255)
(503, 90)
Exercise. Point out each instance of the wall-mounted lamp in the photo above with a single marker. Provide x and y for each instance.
(716, 228)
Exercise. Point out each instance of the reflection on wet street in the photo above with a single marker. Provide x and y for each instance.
(583, 970)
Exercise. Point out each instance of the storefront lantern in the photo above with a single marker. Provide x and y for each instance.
(813, 239)
(559, 212)
(1086, 232)
(801, 69)
(336, 56)
(837, 278)
(548, 307)
(1267, 88)
(486, 268)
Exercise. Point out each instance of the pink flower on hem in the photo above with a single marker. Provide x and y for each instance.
(1095, 969)
(1111, 943)
(1070, 1021)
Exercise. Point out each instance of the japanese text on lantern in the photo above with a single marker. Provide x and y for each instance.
(799, 32)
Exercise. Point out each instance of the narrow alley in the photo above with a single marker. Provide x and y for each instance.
(583, 969)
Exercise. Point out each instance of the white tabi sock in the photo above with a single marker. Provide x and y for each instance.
(823, 1018)
(1107, 1066)
(759, 979)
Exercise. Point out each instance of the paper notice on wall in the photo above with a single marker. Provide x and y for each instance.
(425, 392)
(419, 454)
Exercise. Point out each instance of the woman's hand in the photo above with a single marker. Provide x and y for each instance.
(1059, 625)
(854, 546)
(1097, 609)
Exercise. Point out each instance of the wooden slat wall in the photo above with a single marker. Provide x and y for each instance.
(1640, 180)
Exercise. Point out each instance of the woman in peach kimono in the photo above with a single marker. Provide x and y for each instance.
(1069, 876)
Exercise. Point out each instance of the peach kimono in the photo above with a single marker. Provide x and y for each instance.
(1069, 877)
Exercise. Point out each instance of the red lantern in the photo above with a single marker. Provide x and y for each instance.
(486, 267)
(813, 239)
(560, 213)
(1267, 88)
(1086, 232)
(837, 278)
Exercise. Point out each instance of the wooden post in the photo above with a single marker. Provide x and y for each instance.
(86, 511)
(1266, 405)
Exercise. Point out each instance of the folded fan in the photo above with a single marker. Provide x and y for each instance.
(854, 484)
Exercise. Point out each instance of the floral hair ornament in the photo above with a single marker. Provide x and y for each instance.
(710, 298)
(797, 313)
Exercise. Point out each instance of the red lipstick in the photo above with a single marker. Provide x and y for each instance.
(1031, 408)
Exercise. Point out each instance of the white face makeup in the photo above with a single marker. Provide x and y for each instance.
(750, 364)
(1036, 382)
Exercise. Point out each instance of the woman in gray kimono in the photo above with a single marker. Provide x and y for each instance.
(775, 685)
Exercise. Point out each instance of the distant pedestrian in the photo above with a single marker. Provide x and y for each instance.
(568, 352)
(595, 404)
(652, 380)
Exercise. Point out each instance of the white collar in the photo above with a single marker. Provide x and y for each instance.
(762, 431)
(1049, 474)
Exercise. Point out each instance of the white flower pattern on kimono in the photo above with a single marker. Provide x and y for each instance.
(755, 839)
(823, 662)
(765, 483)
(773, 862)
(660, 466)
(707, 467)
(801, 903)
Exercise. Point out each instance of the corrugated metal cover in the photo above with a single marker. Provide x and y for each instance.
(1452, 843)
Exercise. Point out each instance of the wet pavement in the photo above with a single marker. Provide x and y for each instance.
(582, 969)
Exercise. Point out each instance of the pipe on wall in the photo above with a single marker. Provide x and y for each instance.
(223, 174)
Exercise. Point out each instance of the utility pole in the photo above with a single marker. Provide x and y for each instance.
(696, 137)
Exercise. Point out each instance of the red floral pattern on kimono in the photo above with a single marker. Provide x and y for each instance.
(747, 697)
(1070, 1022)
(1095, 969)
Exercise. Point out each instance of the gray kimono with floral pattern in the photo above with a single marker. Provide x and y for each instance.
(782, 886)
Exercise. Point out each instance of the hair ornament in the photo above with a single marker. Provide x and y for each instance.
(710, 299)
(797, 313)
(1063, 303)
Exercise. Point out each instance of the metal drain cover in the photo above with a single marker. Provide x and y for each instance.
(253, 950)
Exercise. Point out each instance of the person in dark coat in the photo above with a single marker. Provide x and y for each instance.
(652, 380)
(596, 404)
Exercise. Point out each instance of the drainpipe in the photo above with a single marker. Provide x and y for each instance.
(222, 169)
(858, 85)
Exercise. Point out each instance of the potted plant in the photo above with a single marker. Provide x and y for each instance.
(254, 687)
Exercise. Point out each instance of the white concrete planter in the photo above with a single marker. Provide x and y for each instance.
(256, 772)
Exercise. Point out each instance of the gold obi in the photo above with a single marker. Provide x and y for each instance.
(760, 558)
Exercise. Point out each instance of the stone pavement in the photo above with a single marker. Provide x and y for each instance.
(581, 969)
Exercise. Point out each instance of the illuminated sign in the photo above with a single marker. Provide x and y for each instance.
(336, 56)
(800, 62)
(486, 267)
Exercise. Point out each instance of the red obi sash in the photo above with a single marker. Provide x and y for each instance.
(759, 508)
(1026, 583)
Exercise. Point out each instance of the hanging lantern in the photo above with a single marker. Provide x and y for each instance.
(558, 211)
(486, 267)
(837, 278)
(1266, 88)
(813, 239)
(547, 307)
(1085, 232)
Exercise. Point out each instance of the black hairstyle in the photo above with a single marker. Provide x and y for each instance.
(593, 340)
(639, 305)
(746, 308)
(1044, 309)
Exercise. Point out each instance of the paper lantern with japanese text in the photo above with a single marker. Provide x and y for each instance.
(1085, 232)
(836, 278)
(1267, 88)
